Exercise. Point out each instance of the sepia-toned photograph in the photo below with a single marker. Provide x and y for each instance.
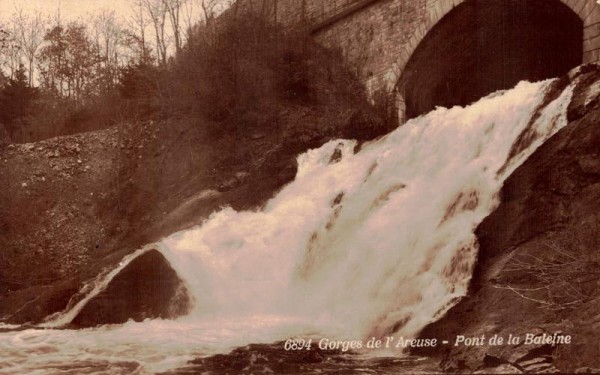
(299, 187)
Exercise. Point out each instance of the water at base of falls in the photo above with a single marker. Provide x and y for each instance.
(360, 244)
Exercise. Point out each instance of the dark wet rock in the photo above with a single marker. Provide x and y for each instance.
(538, 263)
(590, 164)
(337, 200)
(229, 184)
(274, 359)
(34, 303)
(587, 92)
(146, 288)
(504, 368)
(337, 154)
(587, 370)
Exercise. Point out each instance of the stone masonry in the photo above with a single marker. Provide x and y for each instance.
(378, 37)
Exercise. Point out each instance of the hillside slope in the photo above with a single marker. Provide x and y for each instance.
(73, 205)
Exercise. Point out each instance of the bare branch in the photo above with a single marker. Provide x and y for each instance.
(29, 34)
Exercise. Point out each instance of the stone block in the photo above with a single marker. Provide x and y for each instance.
(591, 31)
(434, 13)
(579, 7)
(591, 44)
(399, 66)
(591, 56)
(586, 10)
(593, 19)
(571, 3)
(413, 42)
(419, 33)
(446, 6)
(423, 29)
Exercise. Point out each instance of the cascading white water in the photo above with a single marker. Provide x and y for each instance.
(360, 244)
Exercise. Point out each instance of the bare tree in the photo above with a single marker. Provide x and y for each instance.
(57, 17)
(4, 37)
(560, 275)
(157, 11)
(10, 50)
(189, 15)
(173, 8)
(107, 30)
(209, 10)
(30, 30)
(4, 45)
(107, 34)
(138, 35)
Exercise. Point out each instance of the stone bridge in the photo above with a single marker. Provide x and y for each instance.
(425, 53)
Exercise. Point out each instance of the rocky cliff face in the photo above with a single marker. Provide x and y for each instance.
(539, 261)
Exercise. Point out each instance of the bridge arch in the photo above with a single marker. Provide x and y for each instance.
(381, 39)
(570, 27)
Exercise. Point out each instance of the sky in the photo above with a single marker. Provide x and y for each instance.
(70, 9)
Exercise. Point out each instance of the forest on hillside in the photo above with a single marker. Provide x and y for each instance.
(62, 76)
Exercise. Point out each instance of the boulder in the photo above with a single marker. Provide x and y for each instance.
(146, 288)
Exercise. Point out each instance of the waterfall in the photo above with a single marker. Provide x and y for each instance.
(368, 240)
